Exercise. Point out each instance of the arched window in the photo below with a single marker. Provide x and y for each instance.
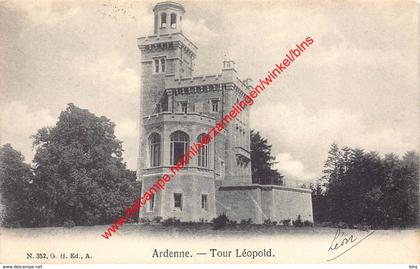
(163, 20)
(154, 146)
(203, 153)
(173, 20)
(179, 145)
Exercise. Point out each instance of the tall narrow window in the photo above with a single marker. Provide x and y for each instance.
(151, 204)
(156, 22)
(184, 107)
(154, 142)
(163, 20)
(178, 200)
(162, 64)
(222, 169)
(173, 20)
(214, 105)
(204, 202)
(156, 65)
(179, 145)
(203, 153)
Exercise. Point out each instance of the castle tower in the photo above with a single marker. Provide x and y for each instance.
(168, 53)
(168, 126)
(176, 110)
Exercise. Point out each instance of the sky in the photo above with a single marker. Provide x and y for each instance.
(357, 85)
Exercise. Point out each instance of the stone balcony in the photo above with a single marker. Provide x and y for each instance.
(188, 169)
(179, 117)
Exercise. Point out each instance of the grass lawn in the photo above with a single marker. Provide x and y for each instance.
(194, 230)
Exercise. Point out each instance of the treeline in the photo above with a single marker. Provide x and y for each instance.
(78, 176)
(363, 188)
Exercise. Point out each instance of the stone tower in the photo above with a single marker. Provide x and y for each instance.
(168, 126)
(176, 110)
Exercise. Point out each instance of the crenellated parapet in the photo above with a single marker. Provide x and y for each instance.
(165, 41)
(203, 84)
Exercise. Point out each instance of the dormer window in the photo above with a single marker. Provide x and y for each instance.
(173, 20)
(163, 20)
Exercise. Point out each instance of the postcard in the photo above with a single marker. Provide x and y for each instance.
(212, 132)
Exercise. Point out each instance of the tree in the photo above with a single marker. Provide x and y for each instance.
(80, 176)
(410, 164)
(363, 188)
(15, 180)
(262, 161)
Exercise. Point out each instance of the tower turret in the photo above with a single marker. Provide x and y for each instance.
(168, 17)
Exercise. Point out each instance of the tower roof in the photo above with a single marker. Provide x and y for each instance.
(168, 4)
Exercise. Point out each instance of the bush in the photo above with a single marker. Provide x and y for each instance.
(144, 220)
(69, 224)
(157, 219)
(286, 222)
(268, 222)
(220, 222)
(307, 223)
(298, 222)
(363, 227)
(246, 222)
(171, 222)
(342, 225)
(233, 222)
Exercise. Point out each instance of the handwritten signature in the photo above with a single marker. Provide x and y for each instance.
(343, 242)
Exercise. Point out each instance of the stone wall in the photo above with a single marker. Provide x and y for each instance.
(261, 202)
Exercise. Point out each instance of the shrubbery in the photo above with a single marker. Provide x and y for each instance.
(298, 222)
(286, 222)
(171, 222)
(69, 224)
(220, 222)
(144, 220)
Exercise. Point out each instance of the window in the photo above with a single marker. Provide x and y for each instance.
(179, 145)
(204, 201)
(173, 20)
(162, 64)
(214, 105)
(154, 145)
(222, 168)
(203, 153)
(151, 204)
(163, 20)
(156, 22)
(184, 107)
(178, 200)
(156, 65)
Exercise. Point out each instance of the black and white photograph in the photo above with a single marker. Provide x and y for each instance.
(209, 132)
